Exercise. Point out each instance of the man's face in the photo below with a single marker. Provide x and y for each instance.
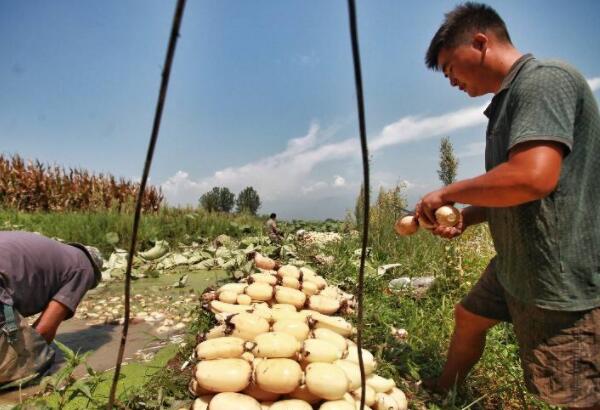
(463, 66)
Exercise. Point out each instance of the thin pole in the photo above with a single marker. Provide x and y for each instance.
(365, 162)
(138, 206)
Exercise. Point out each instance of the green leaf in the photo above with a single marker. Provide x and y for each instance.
(19, 382)
(82, 387)
(69, 354)
(112, 238)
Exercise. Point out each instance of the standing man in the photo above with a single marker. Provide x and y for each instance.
(38, 275)
(272, 231)
(539, 197)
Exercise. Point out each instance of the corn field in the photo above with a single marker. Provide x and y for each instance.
(34, 186)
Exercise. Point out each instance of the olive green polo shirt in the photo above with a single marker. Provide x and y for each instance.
(548, 251)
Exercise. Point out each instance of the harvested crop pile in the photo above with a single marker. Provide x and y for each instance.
(279, 346)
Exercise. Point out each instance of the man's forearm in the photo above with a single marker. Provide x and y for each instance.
(47, 324)
(531, 173)
(503, 186)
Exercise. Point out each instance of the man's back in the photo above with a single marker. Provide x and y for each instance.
(35, 269)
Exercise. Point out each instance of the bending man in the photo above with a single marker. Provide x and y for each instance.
(38, 275)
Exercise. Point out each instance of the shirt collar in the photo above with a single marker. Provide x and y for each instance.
(514, 70)
(509, 78)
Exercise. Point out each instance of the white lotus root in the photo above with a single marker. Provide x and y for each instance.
(263, 262)
(278, 347)
(278, 375)
(223, 375)
(216, 306)
(321, 351)
(369, 395)
(352, 371)
(291, 296)
(247, 326)
(220, 348)
(291, 404)
(275, 345)
(264, 278)
(201, 403)
(406, 225)
(229, 401)
(332, 337)
(260, 291)
(326, 381)
(368, 359)
(297, 328)
(338, 405)
(324, 304)
(380, 384)
(289, 270)
(447, 215)
(243, 299)
(385, 402)
(228, 296)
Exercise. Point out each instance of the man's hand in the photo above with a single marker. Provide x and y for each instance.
(427, 206)
(450, 232)
(469, 216)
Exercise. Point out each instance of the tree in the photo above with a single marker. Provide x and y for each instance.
(448, 162)
(248, 201)
(359, 208)
(218, 199)
(210, 200)
(226, 200)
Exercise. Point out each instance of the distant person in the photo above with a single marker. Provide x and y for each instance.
(539, 197)
(38, 275)
(272, 231)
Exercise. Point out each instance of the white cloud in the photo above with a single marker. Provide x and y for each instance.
(180, 189)
(317, 186)
(339, 181)
(284, 174)
(414, 128)
(594, 83)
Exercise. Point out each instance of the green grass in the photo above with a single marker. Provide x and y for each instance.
(133, 377)
(495, 383)
(173, 225)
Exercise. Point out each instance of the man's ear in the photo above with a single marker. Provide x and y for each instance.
(480, 42)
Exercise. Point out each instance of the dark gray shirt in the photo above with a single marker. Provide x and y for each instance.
(548, 251)
(35, 270)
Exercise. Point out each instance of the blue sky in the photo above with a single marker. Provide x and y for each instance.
(261, 93)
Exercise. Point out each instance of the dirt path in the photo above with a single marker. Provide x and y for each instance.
(161, 314)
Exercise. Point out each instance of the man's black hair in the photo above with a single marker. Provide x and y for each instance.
(272, 216)
(458, 26)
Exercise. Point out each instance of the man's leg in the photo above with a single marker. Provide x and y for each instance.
(466, 347)
(25, 356)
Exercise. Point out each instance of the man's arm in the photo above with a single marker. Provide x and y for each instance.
(531, 173)
(47, 324)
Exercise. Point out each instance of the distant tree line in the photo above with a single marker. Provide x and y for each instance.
(221, 199)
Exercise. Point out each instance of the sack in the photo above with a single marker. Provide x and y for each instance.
(24, 356)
